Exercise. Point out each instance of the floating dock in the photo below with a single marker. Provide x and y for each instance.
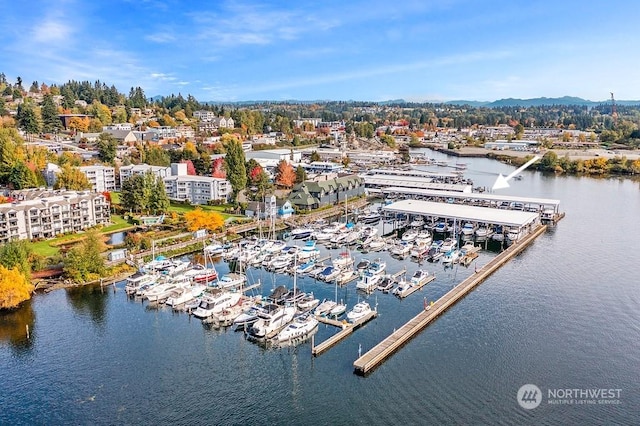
(379, 353)
(347, 329)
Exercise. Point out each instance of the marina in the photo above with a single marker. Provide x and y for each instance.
(347, 329)
(377, 355)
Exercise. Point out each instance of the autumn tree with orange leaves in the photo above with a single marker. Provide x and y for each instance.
(217, 168)
(200, 219)
(285, 175)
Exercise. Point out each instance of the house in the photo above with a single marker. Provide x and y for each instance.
(327, 189)
(281, 208)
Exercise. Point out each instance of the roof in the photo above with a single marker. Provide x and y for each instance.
(463, 212)
(415, 182)
(471, 196)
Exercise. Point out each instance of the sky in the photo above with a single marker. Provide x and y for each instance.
(364, 50)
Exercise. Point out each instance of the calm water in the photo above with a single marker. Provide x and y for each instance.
(563, 314)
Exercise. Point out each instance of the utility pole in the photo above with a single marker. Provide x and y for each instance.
(614, 113)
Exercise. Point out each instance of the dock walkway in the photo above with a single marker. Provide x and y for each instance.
(379, 353)
(347, 329)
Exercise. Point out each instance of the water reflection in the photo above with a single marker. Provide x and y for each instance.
(89, 300)
(13, 326)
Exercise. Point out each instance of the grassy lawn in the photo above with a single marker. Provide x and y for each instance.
(184, 208)
(51, 247)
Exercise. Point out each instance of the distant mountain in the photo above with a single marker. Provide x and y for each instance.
(564, 100)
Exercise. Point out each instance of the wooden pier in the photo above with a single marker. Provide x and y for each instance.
(347, 329)
(379, 353)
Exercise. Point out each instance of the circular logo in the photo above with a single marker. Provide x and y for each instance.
(529, 396)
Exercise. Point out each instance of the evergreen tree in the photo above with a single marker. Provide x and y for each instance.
(49, 113)
(301, 174)
(27, 118)
(235, 167)
(107, 146)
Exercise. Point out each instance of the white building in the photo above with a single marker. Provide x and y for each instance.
(291, 156)
(139, 169)
(47, 217)
(195, 189)
(51, 174)
(102, 178)
(203, 115)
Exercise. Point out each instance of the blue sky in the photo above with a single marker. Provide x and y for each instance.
(336, 50)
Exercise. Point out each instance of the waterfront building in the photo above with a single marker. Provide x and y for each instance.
(326, 189)
(52, 213)
(139, 169)
(195, 189)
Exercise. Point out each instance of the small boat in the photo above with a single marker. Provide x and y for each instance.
(161, 292)
(329, 274)
(300, 327)
(214, 249)
(373, 217)
(420, 277)
(363, 264)
(401, 248)
(325, 307)
(247, 318)
(184, 295)
(359, 311)
(418, 222)
(231, 280)
(337, 310)
(345, 276)
(308, 251)
(409, 235)
(301, 233)
(468, 229)
(440, 227)
(448, 244)
(307, 303)
(343, 261)
(451, 257)
(306, 267)
(386, 284)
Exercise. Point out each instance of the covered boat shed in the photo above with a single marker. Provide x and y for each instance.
(477, 199)
(509, 218)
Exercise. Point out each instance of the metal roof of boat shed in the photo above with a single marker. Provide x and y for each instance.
(473, 195)
(463, 212)
(413, 182)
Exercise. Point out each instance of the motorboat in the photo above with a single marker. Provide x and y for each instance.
(369, 218)
(448, 244)
(420, 248)
(468, 229)
(363, 264)
(247, 318)
(325, 307)
(409, 235)
(418, 222)
(368, 282)
(401, 248)
(337, 310)
(301, 233)
(420, 277)
(483, 232)
(214, 249)
(137, 281)
(308, 251)
(307, 303)
(185, 294)
(271, 319)
(343, 261)
(329, 274)
(424, 236)
(352, 237)
(345, 276)
(161, 292)
(377, 244)
(359, 311)
(276, 246)
(377, 267)
(231, 280)
(440, 227)
(316, 271)
(300, 327)
(214, 304)
(306, 267)
(386, 284)
(368, 231)
(403, 287)
(451, 257)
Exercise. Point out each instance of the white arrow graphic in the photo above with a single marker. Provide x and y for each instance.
(503, 182)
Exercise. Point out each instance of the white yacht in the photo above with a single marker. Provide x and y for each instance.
(210, 305)
(185, 294)
(231, 280)
(272, 319)
(137, 281)
(325, 307)
(301, 326)
(368, 282)
(359, 311)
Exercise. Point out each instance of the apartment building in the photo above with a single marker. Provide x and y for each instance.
(52, 214)
(139, 169)
(102, 178)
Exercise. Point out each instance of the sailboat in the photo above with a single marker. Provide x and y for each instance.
(339, 308)
(302, 324)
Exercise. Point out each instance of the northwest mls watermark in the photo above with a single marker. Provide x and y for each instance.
(531, 396)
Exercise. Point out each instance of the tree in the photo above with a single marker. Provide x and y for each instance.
(315, 156)
(144, 193)
(156, 156)
(21, 177)
(191, 170)
(27, 118)
(107, 147)
(15, 288)
(84, 262)
(301, 174)
(49, 114)
(72, 179)
(16, 254)
(389, 140)
(199, 219)
(285, 175)
(158, 199)
(260, 180)
(234, 165)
